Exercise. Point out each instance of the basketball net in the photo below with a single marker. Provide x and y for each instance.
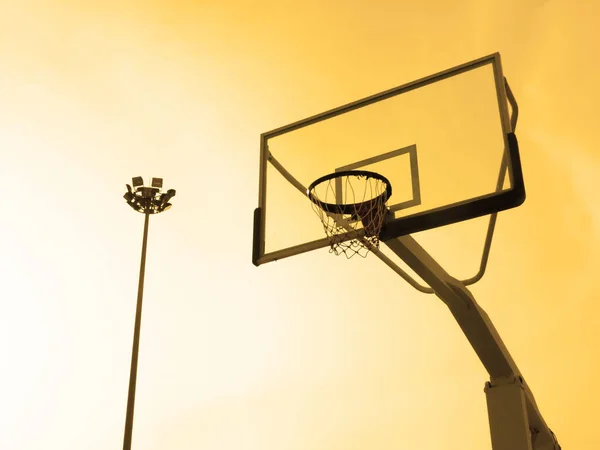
(352, 210)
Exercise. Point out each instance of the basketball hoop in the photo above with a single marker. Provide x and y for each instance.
(352, 207)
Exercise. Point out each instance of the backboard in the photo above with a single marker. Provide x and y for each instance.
(444, 142)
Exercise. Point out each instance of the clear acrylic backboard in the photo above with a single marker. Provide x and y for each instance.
(444, 142)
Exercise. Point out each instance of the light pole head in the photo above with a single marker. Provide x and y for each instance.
(148, 199)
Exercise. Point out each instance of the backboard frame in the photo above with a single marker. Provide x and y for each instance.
(456, 212)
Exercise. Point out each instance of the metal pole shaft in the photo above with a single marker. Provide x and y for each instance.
(511, 405)
(136, 343)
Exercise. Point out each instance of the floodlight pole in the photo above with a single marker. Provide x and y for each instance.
(515, 420)
(136, 341)
(146, 200)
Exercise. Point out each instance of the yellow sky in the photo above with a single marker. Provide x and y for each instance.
(280, 357)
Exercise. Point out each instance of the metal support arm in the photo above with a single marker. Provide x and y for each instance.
(503, 393)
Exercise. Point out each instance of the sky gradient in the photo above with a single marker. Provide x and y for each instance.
(314, 352)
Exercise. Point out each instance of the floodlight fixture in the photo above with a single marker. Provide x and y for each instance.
(164, 199)
(148, 199)
(168, 196)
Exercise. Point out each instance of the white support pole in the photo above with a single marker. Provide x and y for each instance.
(505, 398)
(507, 412)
